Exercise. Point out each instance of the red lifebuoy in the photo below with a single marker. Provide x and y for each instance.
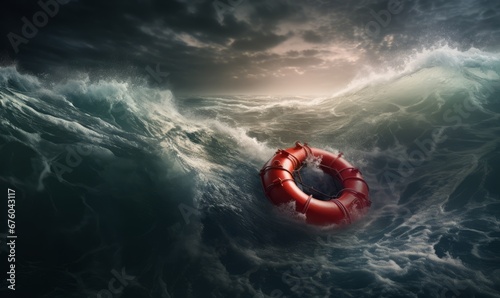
(280, 187)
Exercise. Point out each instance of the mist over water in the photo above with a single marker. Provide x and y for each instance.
(113, 175)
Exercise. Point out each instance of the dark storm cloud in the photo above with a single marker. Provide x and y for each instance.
(268, 14)
(311, 36)
(256, 40)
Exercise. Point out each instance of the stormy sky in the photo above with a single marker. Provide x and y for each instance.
(235, 46)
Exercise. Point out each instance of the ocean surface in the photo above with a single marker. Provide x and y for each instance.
(127, 190)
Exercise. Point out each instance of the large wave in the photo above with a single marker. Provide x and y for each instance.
(168, 187)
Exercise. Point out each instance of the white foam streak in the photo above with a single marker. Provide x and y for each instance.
(249, 146)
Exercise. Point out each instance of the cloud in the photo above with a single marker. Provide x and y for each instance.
(256, 41)
(312, 37)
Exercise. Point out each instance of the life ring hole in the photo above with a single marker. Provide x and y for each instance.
(316, 180)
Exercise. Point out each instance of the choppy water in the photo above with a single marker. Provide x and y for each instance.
(116, 176)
